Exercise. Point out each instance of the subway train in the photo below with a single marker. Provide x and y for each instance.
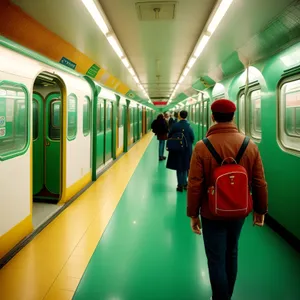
(58, 132)
(267, 95)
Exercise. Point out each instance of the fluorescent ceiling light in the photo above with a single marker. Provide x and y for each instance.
(201, 45)
(218, 16)
(131, 71)
(181, 79)
(136, 79)
(94, 12)
(185, 72)
(115, 45)
(125, 62)
(191, 62)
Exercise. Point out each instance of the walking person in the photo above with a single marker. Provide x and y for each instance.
(180, 160)
(220, 192)
(160, 128)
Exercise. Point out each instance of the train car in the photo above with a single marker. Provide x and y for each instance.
(267, 96)
(58, 132)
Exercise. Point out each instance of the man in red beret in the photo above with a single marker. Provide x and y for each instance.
(220, 193)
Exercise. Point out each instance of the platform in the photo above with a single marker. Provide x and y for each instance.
(127, 237)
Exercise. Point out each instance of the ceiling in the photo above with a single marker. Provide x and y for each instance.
(159, 49)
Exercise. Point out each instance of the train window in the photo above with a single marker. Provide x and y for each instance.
(242, 113)
(197, 113)
(54, 124)
(255, 114)
(194, 113)
(108, 115)
(201, 114)
(99, 116)
(35, 119)
(289, 114)
(120, 117)
(72, 117)
(205, 120)
(86, 116)
(14, 120)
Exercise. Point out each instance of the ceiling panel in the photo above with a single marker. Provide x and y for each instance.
(158, 49)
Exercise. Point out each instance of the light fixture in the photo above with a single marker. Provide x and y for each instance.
(192, 61)
(98, 16)
(136, 79)
(125, 62)
(181, 79)
(218, 16)
(115, 45)
(201, 45)
(94, 12)
(185, 72)
(214, 21)
(131, 71)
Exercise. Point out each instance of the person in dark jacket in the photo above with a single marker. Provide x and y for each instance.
(160, 128)
(175, 117)
(171, 121)
(180, 161)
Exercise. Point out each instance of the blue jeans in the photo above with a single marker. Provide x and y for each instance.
(221, 246)
(181, 178)
(161, 148)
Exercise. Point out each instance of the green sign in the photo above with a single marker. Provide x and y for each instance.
(68, 63)
(93, 71)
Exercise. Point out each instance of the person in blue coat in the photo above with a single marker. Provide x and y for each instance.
(180, 161)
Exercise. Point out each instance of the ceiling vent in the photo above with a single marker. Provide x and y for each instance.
(156, 10)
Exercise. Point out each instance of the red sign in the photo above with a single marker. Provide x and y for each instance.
(160, 102)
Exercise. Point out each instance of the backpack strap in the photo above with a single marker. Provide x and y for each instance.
(212, 150)
(242, 149)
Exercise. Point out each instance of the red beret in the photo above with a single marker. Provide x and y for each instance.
(223, 106)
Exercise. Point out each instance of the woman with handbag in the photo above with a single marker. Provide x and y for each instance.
(179, 145)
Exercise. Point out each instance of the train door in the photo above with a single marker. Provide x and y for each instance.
(130, 126)
(47, 147)
(100, 133)
(144, 120)
(120, 129)
(140, 122)
(108, 131)
(135, 112)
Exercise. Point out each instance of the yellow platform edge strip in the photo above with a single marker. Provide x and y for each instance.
(77, 186)
(15, 235)
(52, 264)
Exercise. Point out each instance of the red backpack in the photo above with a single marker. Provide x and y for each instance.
(229, 196)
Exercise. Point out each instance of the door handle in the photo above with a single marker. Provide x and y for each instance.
(47, 143)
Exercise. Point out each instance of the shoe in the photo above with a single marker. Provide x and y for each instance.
(163, 157)
(179, 189)
(160, 159)
(185, 187)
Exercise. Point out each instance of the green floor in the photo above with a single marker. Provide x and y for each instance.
(149, 252)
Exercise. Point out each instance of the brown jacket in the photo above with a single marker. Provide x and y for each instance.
(226, 140)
